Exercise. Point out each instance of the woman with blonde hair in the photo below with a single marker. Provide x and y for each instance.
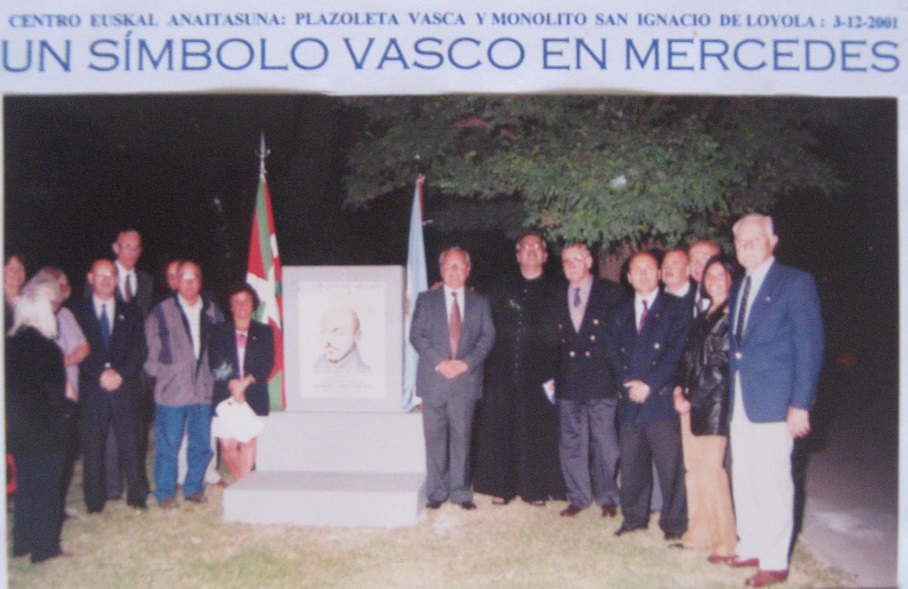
(36, 410)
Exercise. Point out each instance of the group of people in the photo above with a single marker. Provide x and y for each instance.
(590, 395)
(92, 376)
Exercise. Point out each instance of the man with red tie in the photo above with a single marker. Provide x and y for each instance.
(648, 335)
(452, 332)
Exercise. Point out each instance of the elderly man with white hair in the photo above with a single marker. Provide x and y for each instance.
(776, 354)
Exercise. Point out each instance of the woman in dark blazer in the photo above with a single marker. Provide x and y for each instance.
(36, 409)
(241, 353)
(702, 400)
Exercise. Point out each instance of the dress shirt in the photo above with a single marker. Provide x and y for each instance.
(109, 307)
(701, 303)
(124, 275)
(682, 292)
(449, 300)
(578, 311)
(638, 305)
(756, 281)
(241, 350)
(194, 316)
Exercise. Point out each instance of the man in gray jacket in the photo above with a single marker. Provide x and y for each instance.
(177, 332)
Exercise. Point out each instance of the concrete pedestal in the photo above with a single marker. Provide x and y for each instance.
(334, 469)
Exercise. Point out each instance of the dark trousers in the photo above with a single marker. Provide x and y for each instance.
(99, 411)
(37, 510)
(589, 451)
(448, 427)
(143, 416)
(70, 451)
(659, 443)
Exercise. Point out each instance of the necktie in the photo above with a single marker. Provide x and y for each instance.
(742, 311)
(643, 316)
(454, 326)
(105, 327)
(127, 294)
(577, 297)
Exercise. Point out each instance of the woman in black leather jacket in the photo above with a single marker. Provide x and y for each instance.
(702, 401)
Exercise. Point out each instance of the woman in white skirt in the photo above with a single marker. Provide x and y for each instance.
(241, 352)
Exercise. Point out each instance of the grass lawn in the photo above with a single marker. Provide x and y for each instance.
(516, 546)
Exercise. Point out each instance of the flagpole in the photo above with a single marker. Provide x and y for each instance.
(262, 153)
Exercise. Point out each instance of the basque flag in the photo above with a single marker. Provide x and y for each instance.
(264, 275)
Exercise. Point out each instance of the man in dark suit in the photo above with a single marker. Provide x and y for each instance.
(452, 332)
(585, 387)
(648, 335)
(136, 287)
(676, 275)
(776, 356)
(108, 379)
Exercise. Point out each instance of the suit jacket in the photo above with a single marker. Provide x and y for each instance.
(225, 366)
(126, 351)
(653, 355)
(691, 295)
(781, 352)
(584, 372)
(144, 292)
(429, 336)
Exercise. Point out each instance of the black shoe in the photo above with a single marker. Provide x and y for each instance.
(626, 529)
(468, 505)
(433, 504)
(669, 536)
(137, 504)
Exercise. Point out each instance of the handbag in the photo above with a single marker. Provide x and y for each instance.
(240, 419)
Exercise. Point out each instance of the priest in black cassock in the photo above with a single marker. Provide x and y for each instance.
(516, 450)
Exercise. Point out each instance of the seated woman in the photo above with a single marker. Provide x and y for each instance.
(702, 400)
(36, 409)
(241, 353)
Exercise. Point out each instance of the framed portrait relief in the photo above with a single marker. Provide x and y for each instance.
(343, 327)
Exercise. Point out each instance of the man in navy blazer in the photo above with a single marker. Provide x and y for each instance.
(776, 356)
(108, 380)
(449, 375)
(133, 286)
(586, 388)
(648, 335)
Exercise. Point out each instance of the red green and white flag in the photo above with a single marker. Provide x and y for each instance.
(264, 275)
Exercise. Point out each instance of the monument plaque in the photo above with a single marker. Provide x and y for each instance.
(343, 331)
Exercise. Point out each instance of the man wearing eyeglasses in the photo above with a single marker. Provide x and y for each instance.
(585, 387)
(108, 379)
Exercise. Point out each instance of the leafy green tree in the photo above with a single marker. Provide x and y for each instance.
(616, 171)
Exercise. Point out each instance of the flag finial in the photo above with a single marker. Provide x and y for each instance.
(262, 153)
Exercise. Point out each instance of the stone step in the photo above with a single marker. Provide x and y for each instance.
(337, 441)
(326, 498)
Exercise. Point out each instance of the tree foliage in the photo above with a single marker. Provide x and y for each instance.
(615, 171)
